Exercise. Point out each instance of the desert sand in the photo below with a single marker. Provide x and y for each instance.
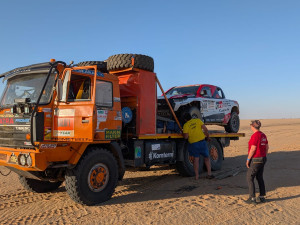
(161, 196)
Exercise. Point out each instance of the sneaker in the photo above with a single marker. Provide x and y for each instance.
(261, 199)
(210, 176)
(251, 201)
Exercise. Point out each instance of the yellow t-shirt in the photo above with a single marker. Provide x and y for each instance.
(194, 128)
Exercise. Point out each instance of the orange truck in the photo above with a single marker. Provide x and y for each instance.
(81, 124)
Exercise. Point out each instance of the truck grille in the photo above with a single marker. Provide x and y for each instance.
(14, 134)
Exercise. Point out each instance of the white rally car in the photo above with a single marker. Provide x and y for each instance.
(203, 101)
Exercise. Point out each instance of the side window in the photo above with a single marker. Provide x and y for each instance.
(218, 94)
(104, 94)
(206, 92)
(79, 88)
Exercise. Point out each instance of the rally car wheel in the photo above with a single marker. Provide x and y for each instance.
(233, 125)
(185, 167)
(193, 111)
(124, 61)
(94, 178)
(38, 186)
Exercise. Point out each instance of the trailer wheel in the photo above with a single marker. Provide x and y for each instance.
(101, 65)
(185, 167)
(94, 178)
(124, 61)
(215, 154)
(38, 186)
(233, 125)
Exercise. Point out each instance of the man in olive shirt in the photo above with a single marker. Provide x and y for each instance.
(195, 131)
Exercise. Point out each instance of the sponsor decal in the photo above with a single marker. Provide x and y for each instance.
(101, 116)
(22, 120)
(155, 147)
(118, 118)
(27, 143)
(6, 121)
(24, 129)
(13, 159)
(90, 72)
(138, 152)
(47, 110)
(64, 123)
(112, 134)
(219, 105)
(154, 155)
(47, 133)
(117, 99)
(48, 146)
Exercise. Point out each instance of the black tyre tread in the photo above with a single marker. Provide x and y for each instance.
(101, 65)
(124, 61)
(216, 165)
(185, 168)
(229, 127)
(72, 183)
(39, 186)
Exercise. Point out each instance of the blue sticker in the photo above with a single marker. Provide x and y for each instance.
(90, 72)
(126, 115)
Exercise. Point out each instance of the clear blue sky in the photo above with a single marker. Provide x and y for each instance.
(251, 49)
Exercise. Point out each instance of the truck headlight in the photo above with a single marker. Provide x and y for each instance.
(29, 160)
(22, 160)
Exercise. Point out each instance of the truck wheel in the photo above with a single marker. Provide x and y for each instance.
(94, 178)
(215, 154)
(38, 186)
(102, 66)
(185, 167)
(233, 125)
(123, 61)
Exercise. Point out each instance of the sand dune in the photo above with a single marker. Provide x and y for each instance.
(161, 196)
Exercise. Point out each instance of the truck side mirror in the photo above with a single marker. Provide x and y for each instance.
(59, 89)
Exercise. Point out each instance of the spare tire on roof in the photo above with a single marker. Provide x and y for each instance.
(101, 65)
(124, 61)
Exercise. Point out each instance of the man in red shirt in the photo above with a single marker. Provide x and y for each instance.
(257, 157)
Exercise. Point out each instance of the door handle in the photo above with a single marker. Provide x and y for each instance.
(85, 120)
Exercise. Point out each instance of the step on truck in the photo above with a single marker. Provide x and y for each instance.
(82, 123)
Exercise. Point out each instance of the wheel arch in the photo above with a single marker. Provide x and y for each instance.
(235, 109)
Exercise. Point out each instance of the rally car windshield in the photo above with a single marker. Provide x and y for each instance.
(183, 90)
(28, 86)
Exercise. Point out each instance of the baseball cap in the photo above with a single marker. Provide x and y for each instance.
(256, 124)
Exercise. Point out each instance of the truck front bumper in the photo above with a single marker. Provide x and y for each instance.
(23, 159)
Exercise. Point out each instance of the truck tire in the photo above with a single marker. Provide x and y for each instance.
(124, 61)
(185, 168)
(38, 186)
(94, 178)
(233, 125)
(101, 65)
(215, 154)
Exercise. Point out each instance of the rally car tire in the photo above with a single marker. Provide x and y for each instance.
(101, 65)
(185, 168)
(39, 186)
(233, 125)
(94, 178)
(215, 154)
(124, 61)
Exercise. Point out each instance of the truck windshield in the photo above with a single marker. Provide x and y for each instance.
(28, 86)
(183, 90)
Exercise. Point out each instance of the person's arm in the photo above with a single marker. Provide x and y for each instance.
(185, 135)
(205, 131)
(251, 153)
(267, 148)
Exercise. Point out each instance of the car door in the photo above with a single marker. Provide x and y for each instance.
(207, 103)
